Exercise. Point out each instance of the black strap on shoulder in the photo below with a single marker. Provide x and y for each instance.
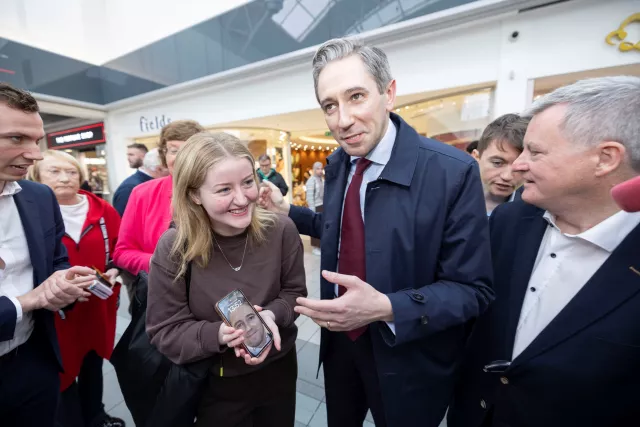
(187, 274)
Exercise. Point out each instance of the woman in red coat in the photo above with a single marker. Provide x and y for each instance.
(87, 332)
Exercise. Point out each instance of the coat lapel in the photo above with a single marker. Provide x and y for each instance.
(613, 284)
(30, 217)
(532, 227)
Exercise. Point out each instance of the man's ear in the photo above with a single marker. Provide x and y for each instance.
(611, 155)
(476, 155)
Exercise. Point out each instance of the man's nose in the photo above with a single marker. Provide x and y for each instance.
(33, 153)
(345, 119)
(519, 164)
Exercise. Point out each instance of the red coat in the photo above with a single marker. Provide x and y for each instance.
(89, 325)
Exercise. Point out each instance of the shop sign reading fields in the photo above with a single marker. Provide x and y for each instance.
(77, 137)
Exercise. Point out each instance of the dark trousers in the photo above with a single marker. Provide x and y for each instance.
(264, 398)
(81, 403)
(351, 382)
(316, 242)
(29, 385)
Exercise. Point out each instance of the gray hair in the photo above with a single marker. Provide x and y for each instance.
(599, 109)
(374, 59)
(316, 164)
(152, 160)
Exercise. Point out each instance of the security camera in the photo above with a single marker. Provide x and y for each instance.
(514, 36)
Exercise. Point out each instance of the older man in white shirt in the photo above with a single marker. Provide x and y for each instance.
(34, 279)
(561, 344)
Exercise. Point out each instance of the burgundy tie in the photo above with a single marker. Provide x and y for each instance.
(352, 256)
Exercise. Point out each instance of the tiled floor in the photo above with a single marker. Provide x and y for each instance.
(310, 407)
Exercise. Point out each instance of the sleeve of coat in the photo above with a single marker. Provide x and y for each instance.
(121, 198)
(463, 289)
(129, 253)
(308, 222)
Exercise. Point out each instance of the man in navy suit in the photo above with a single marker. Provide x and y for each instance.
(405, 250)
(151, 168)
(35, 279)
(561, 344)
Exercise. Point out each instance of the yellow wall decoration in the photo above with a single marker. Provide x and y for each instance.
(621, 34)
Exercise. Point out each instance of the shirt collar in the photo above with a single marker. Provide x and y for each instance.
(382, 152)
(609, 233)
(11, 188)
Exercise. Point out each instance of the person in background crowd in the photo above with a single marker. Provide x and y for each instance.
(560, 346)
(404, 226)
(266, 172)
(315, 194)
(498, 147)
(135, 155)
(230, 244)
(148, 212)
(472, 146)
(35, 278)
(151, 168)
(85, 186)
(87, 333)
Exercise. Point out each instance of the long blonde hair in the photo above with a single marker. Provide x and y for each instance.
(194, 241)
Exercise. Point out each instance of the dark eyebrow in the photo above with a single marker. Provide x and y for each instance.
(356, 89)
(346, 92)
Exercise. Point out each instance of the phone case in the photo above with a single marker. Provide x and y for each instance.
(235, 309)
(101, 287)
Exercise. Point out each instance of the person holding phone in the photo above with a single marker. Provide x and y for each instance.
(228, 243)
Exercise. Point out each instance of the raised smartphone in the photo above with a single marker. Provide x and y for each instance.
(238, 312)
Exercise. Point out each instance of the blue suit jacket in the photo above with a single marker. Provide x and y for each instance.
(583, 369)
(122, 194)
(427, 248)
(44, 229)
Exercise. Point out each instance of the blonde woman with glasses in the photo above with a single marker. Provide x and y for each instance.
(229, 243)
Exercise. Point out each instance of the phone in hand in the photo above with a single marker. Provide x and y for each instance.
(237, 312)
(101, 286)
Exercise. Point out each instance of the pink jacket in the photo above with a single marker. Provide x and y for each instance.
(147, 216)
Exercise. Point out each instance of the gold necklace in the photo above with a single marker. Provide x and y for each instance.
(225, 257)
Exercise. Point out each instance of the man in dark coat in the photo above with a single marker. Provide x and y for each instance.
(404, 250)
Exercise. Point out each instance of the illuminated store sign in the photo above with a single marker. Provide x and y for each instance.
(77, 137)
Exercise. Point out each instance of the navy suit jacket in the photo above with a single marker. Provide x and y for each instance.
(44, 229)
(584, 367)
(427, 248)
(122, 194)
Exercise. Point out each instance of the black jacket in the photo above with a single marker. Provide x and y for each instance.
(275, 178)
(122, 194)
(582, 369)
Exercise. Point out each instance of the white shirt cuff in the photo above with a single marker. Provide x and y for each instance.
(391, 326)
(15, 302)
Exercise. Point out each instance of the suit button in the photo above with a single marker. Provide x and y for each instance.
(424, 320)
(417, 296)
(504, 380)
(483, 404)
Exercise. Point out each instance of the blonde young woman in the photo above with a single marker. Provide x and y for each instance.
(231, 244)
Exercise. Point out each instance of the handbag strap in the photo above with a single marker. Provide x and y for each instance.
(187, 274)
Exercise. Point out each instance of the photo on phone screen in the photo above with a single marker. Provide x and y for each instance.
(240, 314)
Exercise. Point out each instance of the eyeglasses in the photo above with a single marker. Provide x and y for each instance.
(72, 173)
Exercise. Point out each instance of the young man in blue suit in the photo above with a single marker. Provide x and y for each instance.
(35, 279)
(561, 345)
(405, 250)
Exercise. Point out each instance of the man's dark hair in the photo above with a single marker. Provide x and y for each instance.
(473, 145)
(264, 157)
(139, 146)
(18, 99)
(509, 129)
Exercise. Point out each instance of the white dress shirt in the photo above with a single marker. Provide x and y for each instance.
(17, 277)
(379, 157)
(564, 264)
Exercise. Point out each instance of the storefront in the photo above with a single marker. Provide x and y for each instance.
(88, 145)
(450, 82)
